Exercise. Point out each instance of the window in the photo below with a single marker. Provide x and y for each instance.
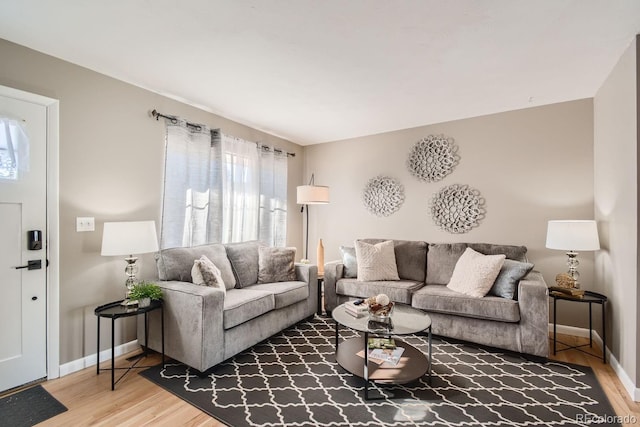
(14, 149)
(221, 189)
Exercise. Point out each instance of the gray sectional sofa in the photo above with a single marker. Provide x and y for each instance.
(517, 324)
(205, 325)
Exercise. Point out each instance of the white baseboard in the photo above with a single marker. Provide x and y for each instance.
(90, 360)
(627, 383)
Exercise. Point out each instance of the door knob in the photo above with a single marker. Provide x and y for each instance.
(34, 298)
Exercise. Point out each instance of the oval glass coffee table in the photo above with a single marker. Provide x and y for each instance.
(353, 354)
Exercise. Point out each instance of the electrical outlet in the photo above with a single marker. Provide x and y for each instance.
(85, 223)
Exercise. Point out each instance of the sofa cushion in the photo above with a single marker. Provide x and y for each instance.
(442, 257)
(241, 305)
(506, 284)
(440, 299)
(475, 273)
(349, 261)
(397, 290)
(284, 293)
(176, 263)
(244, 261)
(205, 273)
(376, 261)
(411, 258)
(276, 264)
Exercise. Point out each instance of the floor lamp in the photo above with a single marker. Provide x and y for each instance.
(311, 194)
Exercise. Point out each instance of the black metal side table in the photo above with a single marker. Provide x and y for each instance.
(115, 310)
(588, 298)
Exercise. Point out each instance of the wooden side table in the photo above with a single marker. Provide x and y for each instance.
(589, 298)
(115, 310)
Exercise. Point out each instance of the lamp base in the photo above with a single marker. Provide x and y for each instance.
(131, 269)
(573, 263)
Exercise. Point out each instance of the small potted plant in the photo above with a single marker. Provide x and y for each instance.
(144, 292)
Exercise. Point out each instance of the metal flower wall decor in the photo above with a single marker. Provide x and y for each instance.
(457, 208)
(432, 158)
(383, 195)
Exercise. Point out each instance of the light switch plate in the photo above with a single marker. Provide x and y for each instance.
(85, 223)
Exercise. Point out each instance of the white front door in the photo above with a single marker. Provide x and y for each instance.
(23, 214)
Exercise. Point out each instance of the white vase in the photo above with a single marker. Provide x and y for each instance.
(144, 302)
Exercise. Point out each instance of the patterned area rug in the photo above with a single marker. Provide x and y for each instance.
(292, 379)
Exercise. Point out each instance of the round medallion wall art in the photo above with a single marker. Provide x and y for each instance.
(457, 208)
(383, 196)
(432, 158)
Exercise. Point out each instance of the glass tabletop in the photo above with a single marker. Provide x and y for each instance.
(404, 320)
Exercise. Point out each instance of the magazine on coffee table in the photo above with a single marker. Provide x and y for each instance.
(384, 357)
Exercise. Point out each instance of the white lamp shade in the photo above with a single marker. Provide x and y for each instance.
(129, 238)
(312, 195)
(573, 235)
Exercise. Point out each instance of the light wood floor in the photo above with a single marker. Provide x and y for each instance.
(138, 402)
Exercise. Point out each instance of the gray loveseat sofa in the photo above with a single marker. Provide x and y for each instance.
(517, 324)
(205, 325)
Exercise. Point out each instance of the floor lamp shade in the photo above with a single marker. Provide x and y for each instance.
(312, 195)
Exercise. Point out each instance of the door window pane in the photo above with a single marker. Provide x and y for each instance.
(14, 149)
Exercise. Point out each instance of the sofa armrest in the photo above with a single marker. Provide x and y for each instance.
(193, 324)
(534, 314)
(333, 271)
(307, 273)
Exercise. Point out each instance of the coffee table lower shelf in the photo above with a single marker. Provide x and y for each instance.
(412, 365)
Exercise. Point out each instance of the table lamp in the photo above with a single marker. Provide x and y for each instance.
(573, 236)
(129, 238)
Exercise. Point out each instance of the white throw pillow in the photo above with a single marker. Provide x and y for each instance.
(475, 273)
(205, 273)
(376, 262)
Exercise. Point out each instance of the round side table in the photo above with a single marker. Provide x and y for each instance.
(115, 310)
(588, 298)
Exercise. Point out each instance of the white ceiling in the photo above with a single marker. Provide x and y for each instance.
(320, 70)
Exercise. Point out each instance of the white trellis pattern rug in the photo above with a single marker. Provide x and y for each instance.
(292, 379)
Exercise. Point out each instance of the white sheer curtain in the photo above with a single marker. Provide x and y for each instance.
(191, 210)
(240, 189)
(221, 189)
(273, 197)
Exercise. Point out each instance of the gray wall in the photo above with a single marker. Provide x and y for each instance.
(530, 165)
(616, 206)
(111, 168)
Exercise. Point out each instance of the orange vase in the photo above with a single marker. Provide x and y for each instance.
(320, 254)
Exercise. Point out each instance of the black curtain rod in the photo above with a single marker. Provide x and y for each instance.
(174, 120)
(274, 149)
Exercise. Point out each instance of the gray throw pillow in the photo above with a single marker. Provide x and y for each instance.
(349, 261)
(244, 261)
(176, 263)
(506, 284)
(276, 264)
